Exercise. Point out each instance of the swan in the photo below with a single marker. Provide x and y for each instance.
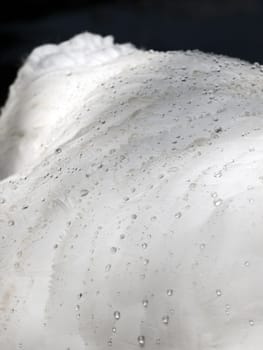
(131, 200)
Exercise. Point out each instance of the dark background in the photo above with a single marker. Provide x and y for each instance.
(231, 27)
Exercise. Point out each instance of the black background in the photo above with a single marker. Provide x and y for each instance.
(231, 27)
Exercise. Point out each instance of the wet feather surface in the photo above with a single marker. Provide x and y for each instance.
(130, 201)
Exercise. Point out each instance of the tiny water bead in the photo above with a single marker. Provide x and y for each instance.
(169, 292)
(11, 223)
(141, 340)
(218, 202)
(144, 245)
(178, 215)
(146, 261)
(108, 267)
(117, 315)
(145, 303)
(165, 319)
(218, 292)
(251, 322)
(113, 250)
(218, 174)
(84, 193)
(227, 309)
(158, 341)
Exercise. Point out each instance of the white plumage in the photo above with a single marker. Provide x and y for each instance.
(131, 201)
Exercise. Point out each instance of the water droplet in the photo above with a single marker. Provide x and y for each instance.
(227, 309)
(77, 307)
(114, 329)
(19, 253)
(246, 263)
(145, 303)
(218, 292)
(108, 267)
(158, 341)
(117, 315)
(2, 200)
(192, 185)
(144, 245)
(169, 292)
(218, 202)
(141, 340)
(251, 322)
(178, 215)
(113, 250)
(58, 150)
(202, 246)
(11, 223)
(84, 193)
(218, 174)
(146, 261)
(165, 319)
(142, 276)
(218, 129)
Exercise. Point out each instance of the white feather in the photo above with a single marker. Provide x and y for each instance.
(130, 201)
